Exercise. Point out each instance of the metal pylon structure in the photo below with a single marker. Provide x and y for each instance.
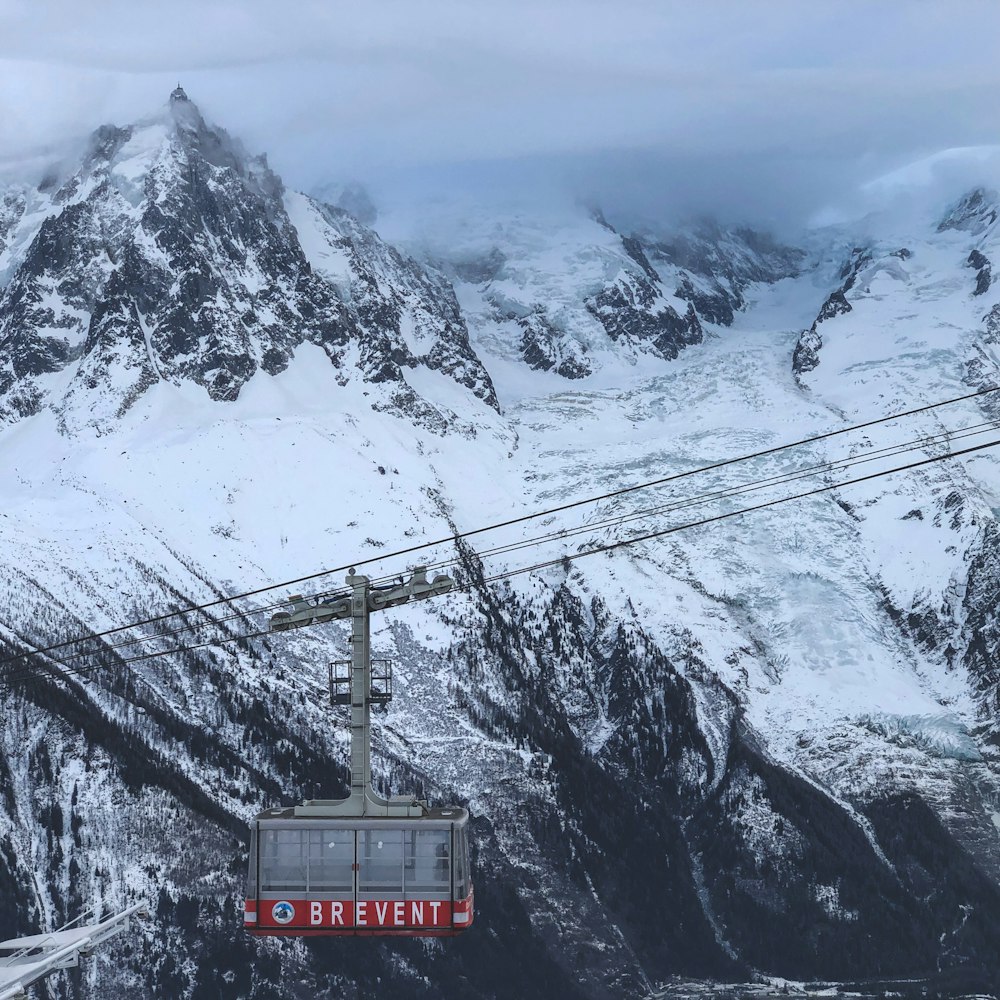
(358, 606)
(26, 960)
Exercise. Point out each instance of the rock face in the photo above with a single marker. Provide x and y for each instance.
(714, 266)
(860, 265)
(404, 316)
(984, 271)
(169, 255)
(974, 213)
(627, 311)
(763, 744)
(635, 314)
(581, 297)
(544, 347)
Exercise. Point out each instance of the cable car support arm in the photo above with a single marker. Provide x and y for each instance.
(358, 606)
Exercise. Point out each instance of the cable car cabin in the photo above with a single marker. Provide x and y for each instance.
(345, 875)
(365, 864)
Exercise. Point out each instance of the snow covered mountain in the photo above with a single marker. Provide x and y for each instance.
(764, 745)
(171, 255)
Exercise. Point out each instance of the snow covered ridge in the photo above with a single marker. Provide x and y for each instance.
(170, 255)
(564, 292)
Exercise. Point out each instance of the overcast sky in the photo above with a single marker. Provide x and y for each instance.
(753, 108)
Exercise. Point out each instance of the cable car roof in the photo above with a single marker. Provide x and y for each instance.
(444, 815)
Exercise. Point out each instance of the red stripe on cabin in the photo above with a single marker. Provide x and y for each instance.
(326, 914)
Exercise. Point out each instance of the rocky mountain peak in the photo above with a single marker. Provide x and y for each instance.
(169, 256)
(185, 113)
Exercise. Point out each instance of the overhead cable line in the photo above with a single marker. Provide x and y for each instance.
(562, 534)
(754, 486)
(512, 521)
(593, 550)
(613, 521)
(673, 529)
(612, 546)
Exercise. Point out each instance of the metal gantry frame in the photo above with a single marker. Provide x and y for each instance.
(26, 960)
(358, 606)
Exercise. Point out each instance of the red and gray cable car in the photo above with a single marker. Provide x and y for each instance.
(364, 876)
(363, 865)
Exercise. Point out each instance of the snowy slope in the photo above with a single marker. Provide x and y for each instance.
(769, 742)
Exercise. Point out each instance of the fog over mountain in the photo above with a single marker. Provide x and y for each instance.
(765, 745)
(747, 112)
(369, 279)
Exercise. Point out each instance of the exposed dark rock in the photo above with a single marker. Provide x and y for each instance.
(715, 306)
(992, 323)
(984, 276)
(740, 256)
(835, 305)
(974, 213)
(717, 265)
(928, 626)
(597, 214)
(625, 310)
(860, 258)
(982, 656)
(12, 206)
(544, 348)
(805, 356)
(977, 260)
(388, 286)
(634, 249)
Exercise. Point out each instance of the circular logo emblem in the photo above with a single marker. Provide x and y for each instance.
(283, 913)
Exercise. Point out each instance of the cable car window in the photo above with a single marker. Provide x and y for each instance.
(380, 855)
(331, 860)
(252, 875)
(283, 860)
(428, 861)
(461, 865)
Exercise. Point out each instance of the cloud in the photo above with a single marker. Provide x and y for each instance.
(725, 103)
